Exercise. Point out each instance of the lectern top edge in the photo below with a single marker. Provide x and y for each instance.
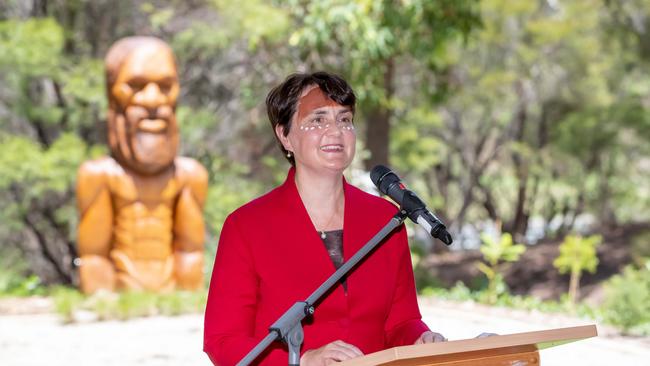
(536, 340)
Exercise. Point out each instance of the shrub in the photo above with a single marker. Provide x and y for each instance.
(627, 300)
(13, 278)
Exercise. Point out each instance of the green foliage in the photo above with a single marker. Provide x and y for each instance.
(577, 254)
(502, 250)
(11, 271)
(228, 190)
(461, 293)
(423, 280)
(66, 302)
(365, 34)
(456, 75)
(255, 20)
(495, 253)
(37, 169)
(158, 18)
(70, 303)
(31, 47)
(13, 281)
(627, 300)
(640, 247)
(84, 89)
(413, 145)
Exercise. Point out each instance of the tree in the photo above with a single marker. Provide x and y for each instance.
(493, 110)
(536, 122)
(369, 41)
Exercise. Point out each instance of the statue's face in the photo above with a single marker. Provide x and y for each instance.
(143, 133)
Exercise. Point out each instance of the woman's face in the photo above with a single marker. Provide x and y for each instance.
(322, 134)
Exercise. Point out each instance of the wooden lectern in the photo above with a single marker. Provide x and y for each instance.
(519, 349)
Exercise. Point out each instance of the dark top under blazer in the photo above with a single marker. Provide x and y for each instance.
(270, 256)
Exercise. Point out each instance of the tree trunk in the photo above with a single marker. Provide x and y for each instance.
(574, 286)
(488, 204)
(378, 124)
(519, 223)
(39, 8)
(607, 215)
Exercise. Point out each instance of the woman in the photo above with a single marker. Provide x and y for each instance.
(280, 247)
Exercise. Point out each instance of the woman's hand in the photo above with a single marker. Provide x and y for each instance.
(485, 335)
(430, 337)
(330, 353)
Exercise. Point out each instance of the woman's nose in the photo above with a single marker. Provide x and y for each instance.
(334, 127)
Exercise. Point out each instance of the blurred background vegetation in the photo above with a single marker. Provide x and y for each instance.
(518, 121)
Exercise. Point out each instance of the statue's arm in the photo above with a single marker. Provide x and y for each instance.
(95, 228)
(189, 226)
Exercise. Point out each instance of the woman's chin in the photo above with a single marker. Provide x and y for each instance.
(325, 167)
(338, 166)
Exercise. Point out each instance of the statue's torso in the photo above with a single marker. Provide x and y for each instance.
(143, 214)
(146, 230)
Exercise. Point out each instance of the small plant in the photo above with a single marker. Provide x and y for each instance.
(627, 300)
(496, 253)
(577, 254)
(66, 302)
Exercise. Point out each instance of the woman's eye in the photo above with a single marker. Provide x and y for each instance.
(346, 121)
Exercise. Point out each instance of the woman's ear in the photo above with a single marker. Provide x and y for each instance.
(279, 132)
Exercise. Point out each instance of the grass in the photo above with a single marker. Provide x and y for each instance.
(70, 304)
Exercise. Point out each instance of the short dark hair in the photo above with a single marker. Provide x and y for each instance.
(282, 101)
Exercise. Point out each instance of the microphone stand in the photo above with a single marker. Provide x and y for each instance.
(288, 327)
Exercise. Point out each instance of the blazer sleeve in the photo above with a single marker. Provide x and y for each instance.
(232, 300)
(404, 323)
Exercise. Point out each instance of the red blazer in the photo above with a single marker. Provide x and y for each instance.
(270, 256)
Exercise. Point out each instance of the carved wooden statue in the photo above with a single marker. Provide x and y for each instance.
(141, 224)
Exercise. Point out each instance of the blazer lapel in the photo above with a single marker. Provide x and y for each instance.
(307, 245)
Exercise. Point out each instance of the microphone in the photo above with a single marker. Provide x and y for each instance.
(389, 184)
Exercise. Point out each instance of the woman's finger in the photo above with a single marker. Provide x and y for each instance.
(350, 347)
(485, 335)
(430, 337)
(339, 354)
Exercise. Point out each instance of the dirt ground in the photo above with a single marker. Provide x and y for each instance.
(32, 336)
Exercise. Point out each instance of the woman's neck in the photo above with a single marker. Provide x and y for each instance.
(323, 197)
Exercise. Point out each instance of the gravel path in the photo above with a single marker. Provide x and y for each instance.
(40, 339)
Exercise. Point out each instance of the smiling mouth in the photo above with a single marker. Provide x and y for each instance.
(152, 125)
(332, 148)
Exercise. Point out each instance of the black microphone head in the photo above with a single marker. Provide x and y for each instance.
(384, 179)
(377, 173)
